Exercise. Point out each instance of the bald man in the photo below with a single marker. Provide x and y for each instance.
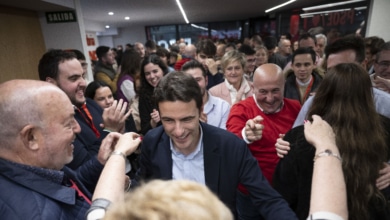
(36, 143)
(188, 54)
(259, 120)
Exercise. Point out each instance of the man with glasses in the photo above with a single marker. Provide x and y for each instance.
(250, 61)
(381, 77)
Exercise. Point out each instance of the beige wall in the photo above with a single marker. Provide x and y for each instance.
(21, 44)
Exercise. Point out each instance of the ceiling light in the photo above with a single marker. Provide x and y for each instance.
(279, 6)
(331, 11)
(330, 5)
(182, 11)
(127, 18)
(107, 26)
(110, 13)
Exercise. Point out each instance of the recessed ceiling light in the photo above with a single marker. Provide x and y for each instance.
(127, 18)
(107, 26)
(110, 13)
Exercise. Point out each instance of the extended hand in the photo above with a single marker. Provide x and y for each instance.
(254, 129)
(114, 117)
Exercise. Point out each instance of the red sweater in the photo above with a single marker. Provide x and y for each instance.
(274, 124)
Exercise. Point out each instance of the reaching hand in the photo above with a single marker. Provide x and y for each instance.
(381, 83)
(282, 146)
(154, 118)
(254, 129)
(114, 117)
(319, 133)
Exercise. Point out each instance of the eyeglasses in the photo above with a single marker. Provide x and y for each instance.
(384, 64)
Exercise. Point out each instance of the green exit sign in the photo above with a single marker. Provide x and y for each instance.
(61, 16)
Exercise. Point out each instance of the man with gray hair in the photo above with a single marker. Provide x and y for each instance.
(322, 41)
(35, 146)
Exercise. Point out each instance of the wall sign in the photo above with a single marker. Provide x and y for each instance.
(61, 17)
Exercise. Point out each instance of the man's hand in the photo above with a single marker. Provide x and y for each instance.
(212, 66)
(381, 83)
(114, 117)
(107, 147)
(254, 129)
(384, 177)
(154, 118)
(282, 146)
(126, 143)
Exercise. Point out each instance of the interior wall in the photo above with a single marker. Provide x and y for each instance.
(378, 19)
(21, 44)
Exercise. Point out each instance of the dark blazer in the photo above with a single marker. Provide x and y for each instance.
(227, 162)
(291, 90)
(86, 144)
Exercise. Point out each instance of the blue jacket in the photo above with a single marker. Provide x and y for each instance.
(26, 195)
(227, 162)
(86, 144)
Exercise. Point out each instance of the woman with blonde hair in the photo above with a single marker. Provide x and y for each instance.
(344, 99)
(235, 87)
(170, 200)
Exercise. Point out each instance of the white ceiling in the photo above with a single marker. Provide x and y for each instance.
(162, 12)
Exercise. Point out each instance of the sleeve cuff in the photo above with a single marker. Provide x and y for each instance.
(244, 137)
(324, 215)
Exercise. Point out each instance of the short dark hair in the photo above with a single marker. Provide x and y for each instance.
(178, 86)
(270, 42)
(304, 50)
(151, 44)
(374, 44)
(162, 52)
(102, 51)
(384, 47)
(194, 64)
(306, 37)
(90, 91)
(354, 43)
(79, 54)
(48, 64)
(207, 47)
(247, 50)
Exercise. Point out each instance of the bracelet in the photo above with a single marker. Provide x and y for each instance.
(325, 153)
(119, 154)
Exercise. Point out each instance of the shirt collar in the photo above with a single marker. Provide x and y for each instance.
(198, 149)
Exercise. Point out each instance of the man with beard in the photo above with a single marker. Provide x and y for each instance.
(104, 70)
(62, 69)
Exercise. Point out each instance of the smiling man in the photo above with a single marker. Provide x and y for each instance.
(304, 78)
(36, 144)
(185, 148)
(259, 120)
(62, 69)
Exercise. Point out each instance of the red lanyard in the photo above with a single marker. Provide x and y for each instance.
(79, 193)
(88, 119)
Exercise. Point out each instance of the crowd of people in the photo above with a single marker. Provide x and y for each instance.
(214, 130)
